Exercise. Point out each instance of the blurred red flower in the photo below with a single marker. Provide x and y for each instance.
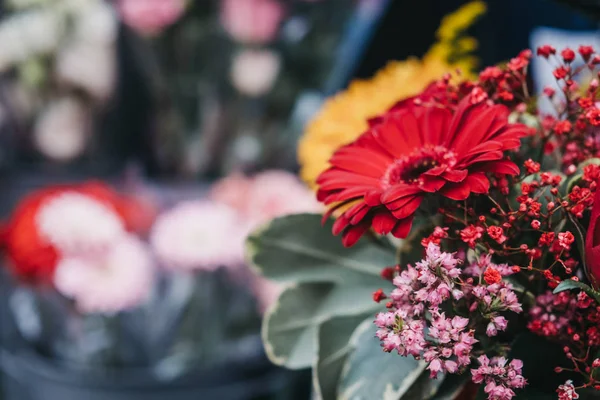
(33, 259)
(413, 151)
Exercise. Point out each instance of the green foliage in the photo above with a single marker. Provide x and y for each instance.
(297, 248)
(334, 347)
(290, 326)
(370, 373)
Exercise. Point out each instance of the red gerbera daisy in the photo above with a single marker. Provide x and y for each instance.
(411, 152)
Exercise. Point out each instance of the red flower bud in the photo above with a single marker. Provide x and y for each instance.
(545, 51)
(378, 295)
(568, 55)
(586, 52)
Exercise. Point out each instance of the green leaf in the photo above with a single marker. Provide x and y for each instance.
(579, 233)
(290, 326)
(333, 350)
(297, 248)
(570, 284)
(372, 374)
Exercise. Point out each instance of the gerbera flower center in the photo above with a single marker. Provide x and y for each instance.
(409, 169)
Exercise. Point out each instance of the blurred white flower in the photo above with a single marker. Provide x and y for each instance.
(253, 72)
(198, 235)
(117, 280)
(92, 68)
(27, 34)
(77, 224)
(61, 130)
(96, 24)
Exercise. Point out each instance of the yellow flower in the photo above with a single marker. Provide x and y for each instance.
(344, 116)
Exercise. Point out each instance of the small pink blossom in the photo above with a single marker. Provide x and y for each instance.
(265, 196)
(567, 391)
(150, 16)
(499, 378)
(565, 240)
(117, 280)
(251, 21)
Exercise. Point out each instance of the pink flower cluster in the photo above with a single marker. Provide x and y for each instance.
(499, 378)
(453, 344)
(414, 324)
(567, 391)
(552, 313)
(492, 299)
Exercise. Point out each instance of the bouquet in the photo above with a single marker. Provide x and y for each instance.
(468, 265)
(100, 280)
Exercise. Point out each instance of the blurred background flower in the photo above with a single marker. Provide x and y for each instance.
(121, 278)
(198, 235)
(252, 21)
(150, 16)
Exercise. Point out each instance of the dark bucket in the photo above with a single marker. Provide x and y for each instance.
(27, 376)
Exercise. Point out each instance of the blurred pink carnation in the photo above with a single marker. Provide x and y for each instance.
(265, 196)
(79, 224)
(278, 193)
(258, 199)
(251, 21)
(120, 279)
(150, 16)
(198, 235)
(232, 190)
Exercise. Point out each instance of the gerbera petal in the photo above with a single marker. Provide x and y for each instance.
(479, 183)
(353, 233)
(435, 171)
(457, 191)
(405, 209)
(432, 184)
(389, 138)
(384, 222)
(457, 175)
(362, 161)
(402, 228)
(489, 156)
(500, 167)
(345, 195)
(359, 214)
(340, 224)
(484, 148)
(373, 197)
(398, 191)
(435, 124)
